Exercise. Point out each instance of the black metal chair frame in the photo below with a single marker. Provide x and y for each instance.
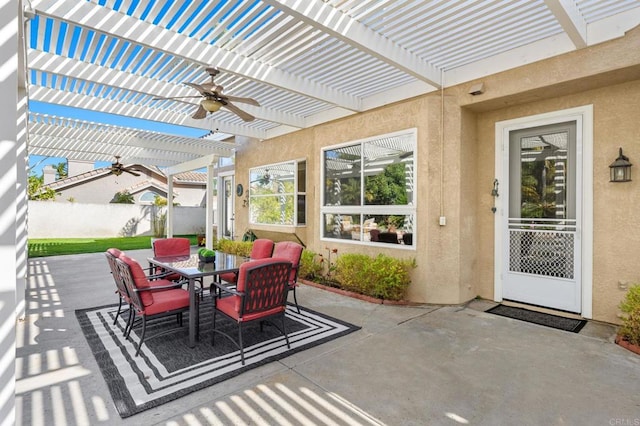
(293, 284)
(255, 300)
(121, 288)
(136, 305)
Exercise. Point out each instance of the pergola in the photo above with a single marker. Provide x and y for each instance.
(305, 62)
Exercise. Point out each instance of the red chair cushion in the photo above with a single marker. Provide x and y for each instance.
(228, 305)
(139, 278)
(292, 252)
(114, 252)
(167, 300)
(230, 277)
(261, 249)
(172, 247)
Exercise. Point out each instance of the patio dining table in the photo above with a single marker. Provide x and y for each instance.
(191, 268)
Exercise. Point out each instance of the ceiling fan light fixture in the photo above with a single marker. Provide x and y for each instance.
(211, 105)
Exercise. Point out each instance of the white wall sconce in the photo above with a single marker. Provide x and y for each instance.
(620, 169)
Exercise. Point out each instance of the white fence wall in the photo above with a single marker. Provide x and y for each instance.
(75, 220)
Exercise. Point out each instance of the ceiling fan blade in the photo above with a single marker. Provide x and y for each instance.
(200, 113)
(203, 90)
(249, 101)
(240, 113)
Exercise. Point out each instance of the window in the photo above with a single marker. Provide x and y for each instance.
(277, 194)
(148, 197)
(368, 190)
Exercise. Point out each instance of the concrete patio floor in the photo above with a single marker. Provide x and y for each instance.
(419, 365)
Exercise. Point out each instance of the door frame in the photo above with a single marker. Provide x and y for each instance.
(222, 176)
(583, 116)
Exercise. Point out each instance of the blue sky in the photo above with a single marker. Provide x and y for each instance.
(37, 162)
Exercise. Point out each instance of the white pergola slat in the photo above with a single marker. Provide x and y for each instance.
(104, 141)
(306, 62)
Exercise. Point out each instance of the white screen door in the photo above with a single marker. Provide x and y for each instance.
(541, 259)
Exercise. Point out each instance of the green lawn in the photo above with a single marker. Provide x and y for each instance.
(59, 246)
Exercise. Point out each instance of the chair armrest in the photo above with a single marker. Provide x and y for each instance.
(221, 287)
(159, 287)
(158, 276)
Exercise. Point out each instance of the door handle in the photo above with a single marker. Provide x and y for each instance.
(494, 194)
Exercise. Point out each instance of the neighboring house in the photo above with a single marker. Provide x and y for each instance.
(99, 186)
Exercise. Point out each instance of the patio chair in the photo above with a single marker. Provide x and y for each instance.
(260, 295)
(175, 246)
(165, 247)
(292, 252)
(121, 289)
(388, 237)
(150, 299)
(261, 249)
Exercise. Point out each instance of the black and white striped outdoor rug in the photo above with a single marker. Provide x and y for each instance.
(167, 368)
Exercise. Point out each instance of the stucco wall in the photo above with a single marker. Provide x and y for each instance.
(614, 91)
(615, 206)
(75, 220)
(431, 279)
(456, 261)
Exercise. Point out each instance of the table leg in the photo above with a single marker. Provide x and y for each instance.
(193, 314)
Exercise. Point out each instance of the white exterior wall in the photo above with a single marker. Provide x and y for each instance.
(74, 220)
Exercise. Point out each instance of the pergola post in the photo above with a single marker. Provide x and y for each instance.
(207, 162)
(170, 214)
(209, 237)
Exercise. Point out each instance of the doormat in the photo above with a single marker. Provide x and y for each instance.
(540, 318)
(167, 368)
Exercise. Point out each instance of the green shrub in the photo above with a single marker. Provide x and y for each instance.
(240, 248)
(310, 268)
(630, 307)
(382, 276)
(353, 273)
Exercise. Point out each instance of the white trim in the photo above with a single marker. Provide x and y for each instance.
(583, 115)
(294, 194)
(410, 209)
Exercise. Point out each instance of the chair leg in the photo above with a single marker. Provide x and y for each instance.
(130, 321)
(144, 330)
(284, 331)
(295, 299)
(213, 337)
(115, 320)
(241, 344)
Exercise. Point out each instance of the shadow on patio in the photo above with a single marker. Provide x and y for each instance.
(407, 365)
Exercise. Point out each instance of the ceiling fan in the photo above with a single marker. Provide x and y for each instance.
(213, 98)
(117, 168)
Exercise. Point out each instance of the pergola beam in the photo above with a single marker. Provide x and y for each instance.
(330, 20)
(571, 20)
(75, 100)
(72, 68)
(94, 17)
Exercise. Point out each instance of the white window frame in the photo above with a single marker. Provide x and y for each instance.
(295, 193)
(409, 209)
